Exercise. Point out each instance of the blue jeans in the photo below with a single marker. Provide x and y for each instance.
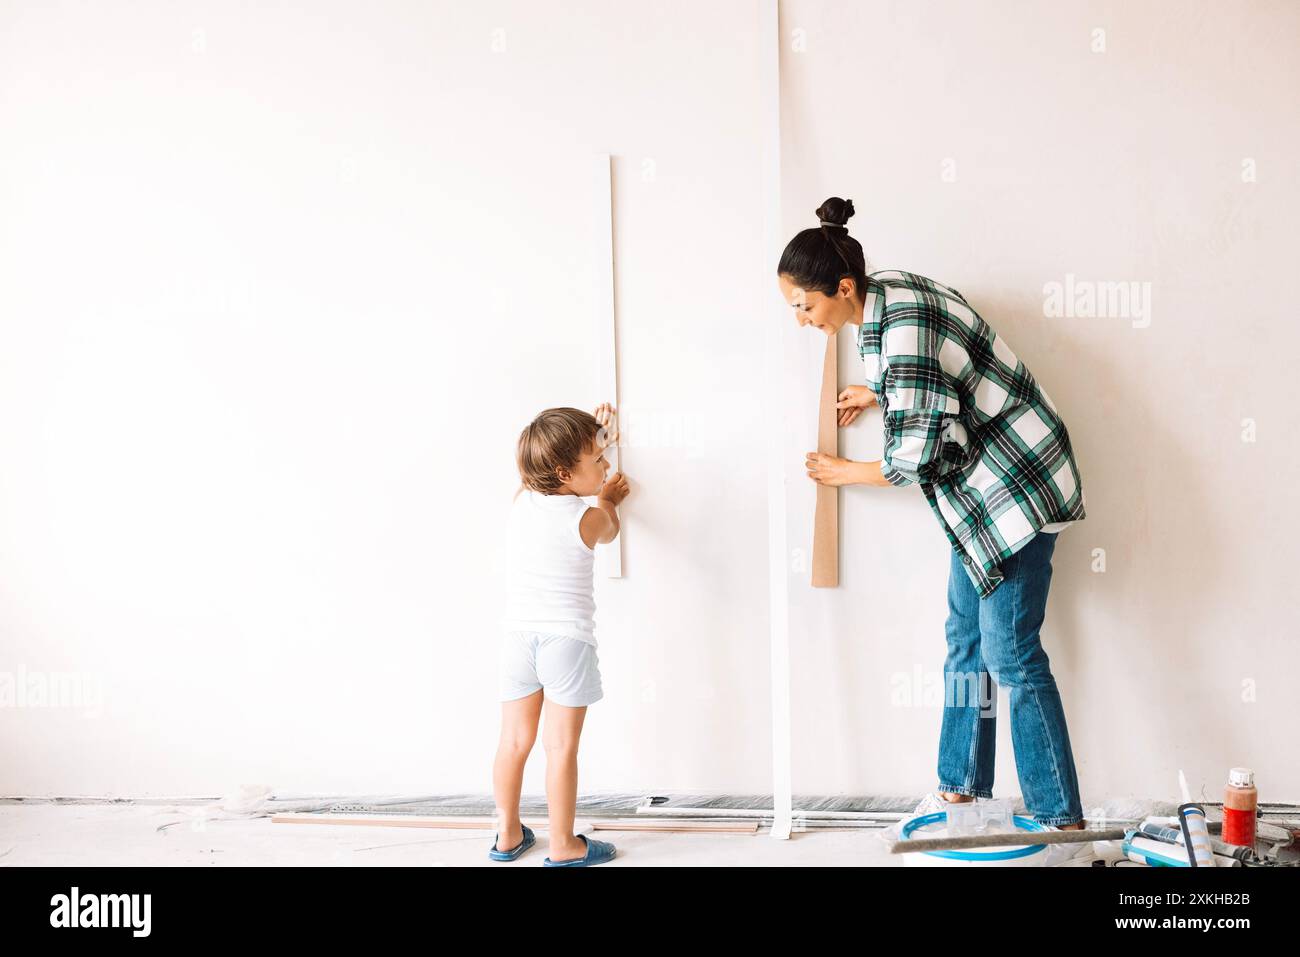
(997, 638)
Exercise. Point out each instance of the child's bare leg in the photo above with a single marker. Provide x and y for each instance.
(560, 738)
(518, 732)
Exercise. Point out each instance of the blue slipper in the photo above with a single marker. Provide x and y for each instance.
(598, 852)
(529, 840)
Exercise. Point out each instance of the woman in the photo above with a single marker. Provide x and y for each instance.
(966, 421)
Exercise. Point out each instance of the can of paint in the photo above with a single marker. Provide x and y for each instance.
(1240, 808)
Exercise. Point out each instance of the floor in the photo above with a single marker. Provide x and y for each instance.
(123, 835)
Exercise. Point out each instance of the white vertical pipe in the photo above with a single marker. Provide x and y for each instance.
(772, 318)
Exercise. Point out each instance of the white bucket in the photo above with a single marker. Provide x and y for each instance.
(1012, 855)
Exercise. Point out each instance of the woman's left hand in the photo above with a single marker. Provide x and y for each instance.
(830, 469)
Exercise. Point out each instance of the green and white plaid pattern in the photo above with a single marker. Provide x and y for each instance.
(965, 420)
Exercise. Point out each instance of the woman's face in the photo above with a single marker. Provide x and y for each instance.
(812, 308)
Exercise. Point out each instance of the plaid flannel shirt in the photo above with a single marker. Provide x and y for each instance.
(966, 421)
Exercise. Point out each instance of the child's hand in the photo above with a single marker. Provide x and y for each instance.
(615, 489)
(608, 428)
(852, 401)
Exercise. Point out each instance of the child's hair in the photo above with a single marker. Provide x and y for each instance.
(555, 439)
(817, 259)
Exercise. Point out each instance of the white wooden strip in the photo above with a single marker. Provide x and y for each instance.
(609, 558)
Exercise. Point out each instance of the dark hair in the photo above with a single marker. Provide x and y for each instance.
(555, 439)
(820, 257)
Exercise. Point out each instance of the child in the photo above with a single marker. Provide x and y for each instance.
(548, 652)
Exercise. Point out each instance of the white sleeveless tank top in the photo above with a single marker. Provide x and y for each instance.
(549, 568)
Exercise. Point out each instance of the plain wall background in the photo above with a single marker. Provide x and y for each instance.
(987, 146)
(278, 289)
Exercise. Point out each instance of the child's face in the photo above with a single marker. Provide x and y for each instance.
(589, 474)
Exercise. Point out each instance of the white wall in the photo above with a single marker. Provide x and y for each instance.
(278, 291)
(1123, 165)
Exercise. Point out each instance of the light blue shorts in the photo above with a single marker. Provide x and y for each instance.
(567, 668)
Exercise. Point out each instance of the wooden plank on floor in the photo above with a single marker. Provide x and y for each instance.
(397, 820)
(488, 824)
(682, 826)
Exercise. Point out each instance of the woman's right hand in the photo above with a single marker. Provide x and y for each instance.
(852, 401)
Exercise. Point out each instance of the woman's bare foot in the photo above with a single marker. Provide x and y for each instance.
(956, 798)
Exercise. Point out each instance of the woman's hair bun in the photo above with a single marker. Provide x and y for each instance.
(836, 211)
